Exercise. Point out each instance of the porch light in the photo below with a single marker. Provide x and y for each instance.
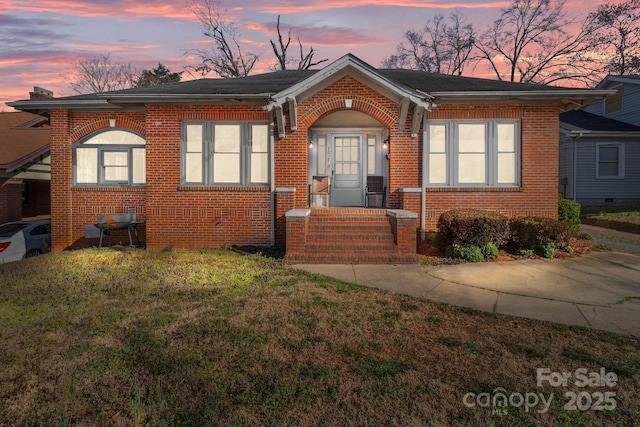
(386, 143)
(348, 102)
(310, 144)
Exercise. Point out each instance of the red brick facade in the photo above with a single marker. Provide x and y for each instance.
(192, 217)
(10, 200)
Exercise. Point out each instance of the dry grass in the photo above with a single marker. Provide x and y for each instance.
(130, 338)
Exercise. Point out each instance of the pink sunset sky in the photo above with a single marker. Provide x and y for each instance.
(41, 40)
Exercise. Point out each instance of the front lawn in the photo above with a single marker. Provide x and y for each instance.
(133, 338)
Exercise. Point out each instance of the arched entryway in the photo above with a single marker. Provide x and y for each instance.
(349, 148)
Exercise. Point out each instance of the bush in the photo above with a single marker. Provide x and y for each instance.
(546, 250)
(467, 252)
(490, 250)
(473, 227)
(533, 231)
(569, 212)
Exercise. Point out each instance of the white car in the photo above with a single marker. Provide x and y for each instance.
(24, 239)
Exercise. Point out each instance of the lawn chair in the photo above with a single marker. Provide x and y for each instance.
(375, 188)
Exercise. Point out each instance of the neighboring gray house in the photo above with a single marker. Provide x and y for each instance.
(624, 106)
(607, 155)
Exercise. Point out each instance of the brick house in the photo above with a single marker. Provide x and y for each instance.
(24, 166)
(216, 162)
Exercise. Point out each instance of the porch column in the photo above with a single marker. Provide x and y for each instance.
(61, 181)
(297, 220)
(285, 201)
(403, 225)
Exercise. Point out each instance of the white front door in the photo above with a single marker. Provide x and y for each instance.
(347, 183)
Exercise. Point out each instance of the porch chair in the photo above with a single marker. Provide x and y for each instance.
(319, 191)
(375, 187)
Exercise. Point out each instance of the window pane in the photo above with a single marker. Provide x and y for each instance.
(471, 168)
(227, 139)
(259, 138)
(139, 166)
(608, 169)
(437, 168)
(194, 138)
(115, 137)
(259, 168)
(116, 165)
(437, 138)
(371, 156)
(226, 168)
(608, 154)
(471, 138)
(506, 168)
(338, 153)
(193, 166)
(87, 165)
(506, 137)
(322, 156)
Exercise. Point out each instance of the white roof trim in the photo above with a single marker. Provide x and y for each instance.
(349, 61)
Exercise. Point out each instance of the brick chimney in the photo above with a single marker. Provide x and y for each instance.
(40, 93)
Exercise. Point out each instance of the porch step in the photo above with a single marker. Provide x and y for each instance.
(349, 235)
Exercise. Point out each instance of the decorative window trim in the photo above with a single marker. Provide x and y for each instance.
(208, 153)
(91, 147)
(448, 151)
(621, 160)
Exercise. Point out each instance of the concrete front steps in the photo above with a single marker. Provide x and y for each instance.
(349, 235)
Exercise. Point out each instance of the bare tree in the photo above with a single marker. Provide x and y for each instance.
(442, 46)
(616, 33)
(98, 74)
(305, 62)
(530, 43)
(225, 57)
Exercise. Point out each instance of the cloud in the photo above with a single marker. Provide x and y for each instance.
(316, 35)
(300, 6)
(121, 9)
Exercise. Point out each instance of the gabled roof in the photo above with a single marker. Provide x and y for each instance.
(583, 123)
(24, 139)
(614, 79)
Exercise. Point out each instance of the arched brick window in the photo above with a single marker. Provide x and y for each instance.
(110, 158)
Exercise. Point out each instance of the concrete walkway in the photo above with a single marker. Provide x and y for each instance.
(599, 290)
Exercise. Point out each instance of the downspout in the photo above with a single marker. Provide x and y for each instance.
(272, 179)
(423, 210)
(425, 158)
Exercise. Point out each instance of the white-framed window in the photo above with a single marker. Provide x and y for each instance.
(225, 153)
(472, 153)
(610, 161)
(110, 158)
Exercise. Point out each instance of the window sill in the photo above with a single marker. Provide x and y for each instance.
(226, 189)
(139, 188)
(474, 189)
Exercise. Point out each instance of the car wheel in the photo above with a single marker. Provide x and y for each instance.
(32, 253)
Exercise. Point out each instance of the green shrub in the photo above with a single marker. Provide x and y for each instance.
(566, 248)
(490, 250)
(524, 252)
(546, 250)
(532, 231)
(471, 253)
(473, 227)
(569, 212)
